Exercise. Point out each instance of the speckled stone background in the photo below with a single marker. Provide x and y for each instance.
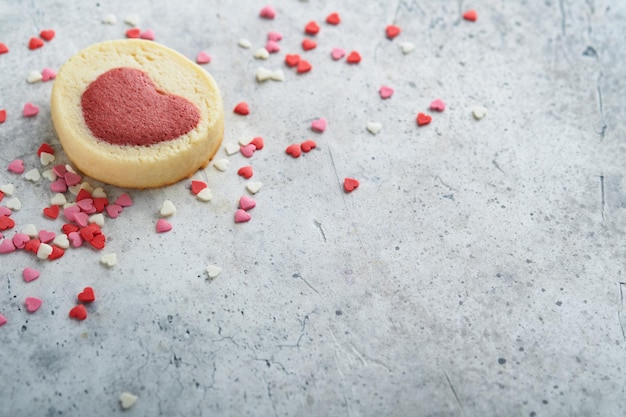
(476, 271)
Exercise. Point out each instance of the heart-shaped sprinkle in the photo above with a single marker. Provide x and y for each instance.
(303, 66)
(307, 145)
(291, 60)
(167, 208)
(147, 34)
(311, 28)
(241, 216)
(242, 108)
(14, 204)
(6, 223)
(7, 189)
(32, 246)
(333, 19)
(261, 53)
(197, 186)
(254, 187)
(3, 48)
(392, 31)
(246, 203)
(59, 170)
(44, 251)
(263, 74)
(163, 225)
(309, 44)
(20, 239)
(109, 19)
(213, 271)
(7, 246)
(203, 58)
(48, 173)
(319, 125)
(58, 199)
(258, 142)
(349, 184)
(99, 193)
(48, 74)
(58, 186)
(437, 105)
(133, 33)
(353, 58)
(61, 241)
(337, 53)
(124, 200)
(32, 304)
(3, 115)
(4, 211)
(246, 172)
(231, 148)
(244, 43)
(98, 242)
(32, 175)
(407, 47)
(109, 260)
(470, 15)
(35, 43)
(267, 12)
(205, 195)
(57, 252)
(247, 150)
(30, 110)
(70, 212)
(79, 312)
(51, 212)
(127, 400)
(30, 274)
(374, 127)
(75, 239)
(479, 112)
(272, 47)
(46, 236)
(86, 205)
(221, 164)
(114, 210)
(132, 20)
(97, 218)
(100, 204)
(68, 228)
(47, 34)
(274, 36)
(293, 150)
(30, 230)
(423, 119)
(385, 92)
(34, 77)
(16, 166)
(81, 219)
(72, 178)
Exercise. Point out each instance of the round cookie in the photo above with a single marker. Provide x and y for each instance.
(136, 114)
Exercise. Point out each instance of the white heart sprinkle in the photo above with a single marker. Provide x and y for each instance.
(374, 127)
(74, 189)
(44, 251)
(277, 75)
(261, 53)
(30, 230)
(167, 208)
(132, 20)
(109, 260)
(68, 204)
(34, 77)
(87, 187)
(70, 168)
(221, 164)
(14, 204)
(97, 219)
(98, 193)
(263, 74)
(109, 19)
(58, 199)
(46, 158)
(479, 112)
(127, 400)
(61, 241)
(49, 174)
(254, 186)
(231, 148)
(244, 43)
(204, 195)
(407, 47)
(213, 271)
(9, 189)
(32, 175)
(245, 141)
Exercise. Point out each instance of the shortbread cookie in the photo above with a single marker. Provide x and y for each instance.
(136, 114)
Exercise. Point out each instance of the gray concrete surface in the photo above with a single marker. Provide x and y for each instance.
(476, 271)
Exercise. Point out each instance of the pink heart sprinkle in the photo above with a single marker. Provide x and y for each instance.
(46, 236)
(75, 239)
(241, 216)
(20, 240)
(203, 58)
(5, 211)
(59, 170)
(246, 203)
(319, 125)
(274, 36)
(147, 34)
(272, 47)
(268, 12)
(438, 105)
(385, 92)
(58, 186)
(163, 225)
(32, 304)
(30, 110)
(16, 166)
(48, 74)
(70, 212)
(72, 179)
(114, 210)
(86, 205)
(124, 200)
(337, 53)
(3, 320)
(7, 246)
(81, 219)
(247, 150)
(30, 274)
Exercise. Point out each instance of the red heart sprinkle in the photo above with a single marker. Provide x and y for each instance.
(307, 145)
(32, 245)
(68, 228)
(293, 150)
(423, 119)
(333, 19)
(242, 108)
(98, 242)
(292, 60)
(258, 143)
(51, 212)
(87, 296)
(6, 223)
(3, 48)
(47, 34)
(87, 233)
(392, 31)
(349, 184)
(133, 33)
(34, 43)
(3, 115)
(79, 312)
(353, 58)
(83, 195)
(312, 28)
(100, 204)
(470, 15)
(45, 148)
(197, 186)
(309, 44)
(246, 172)
(303, 66)
(57, 252)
